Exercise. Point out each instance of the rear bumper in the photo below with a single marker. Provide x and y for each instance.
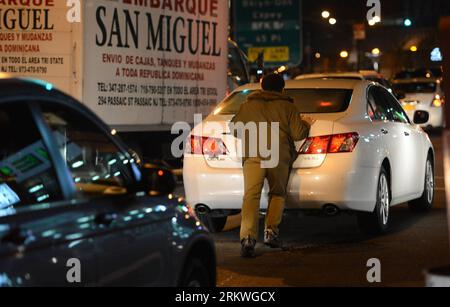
(335, 182)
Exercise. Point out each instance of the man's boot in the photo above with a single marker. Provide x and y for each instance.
(248, 247)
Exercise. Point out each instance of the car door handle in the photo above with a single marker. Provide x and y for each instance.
(407, 133)
(384, 131)
(105, 219)
(16, 237)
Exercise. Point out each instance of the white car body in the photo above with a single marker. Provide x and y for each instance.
(424, 101)
(345, 180)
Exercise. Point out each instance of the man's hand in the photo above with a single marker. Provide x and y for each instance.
(311, 121)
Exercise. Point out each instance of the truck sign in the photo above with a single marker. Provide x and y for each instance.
(139, 64)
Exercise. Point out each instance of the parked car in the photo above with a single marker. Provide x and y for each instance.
(368, 75)
(424, 94)
(364, 155)
(71, 194)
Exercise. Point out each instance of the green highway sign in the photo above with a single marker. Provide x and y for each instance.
(270, 26)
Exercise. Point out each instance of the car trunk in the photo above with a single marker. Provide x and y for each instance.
(323, 126)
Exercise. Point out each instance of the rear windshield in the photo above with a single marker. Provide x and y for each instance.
(416, 87)
(306, 101)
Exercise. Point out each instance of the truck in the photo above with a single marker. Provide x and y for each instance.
(141, 65)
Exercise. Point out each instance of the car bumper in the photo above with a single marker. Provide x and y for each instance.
(336, 182)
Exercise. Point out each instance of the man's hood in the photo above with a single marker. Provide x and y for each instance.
(268, 96)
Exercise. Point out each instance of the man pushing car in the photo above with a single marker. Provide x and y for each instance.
(278, 125)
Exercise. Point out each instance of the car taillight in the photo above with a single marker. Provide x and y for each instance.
(437, 102)
(337, 143)
(207, 146)
(315, 145)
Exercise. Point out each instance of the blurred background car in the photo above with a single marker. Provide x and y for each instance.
(423, 94)
(434, 72)
(70, 189)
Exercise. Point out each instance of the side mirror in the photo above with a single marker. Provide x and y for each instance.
(421, 117)
(157, 180)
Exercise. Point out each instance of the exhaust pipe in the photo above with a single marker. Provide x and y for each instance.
(202, 209)
(330, 210)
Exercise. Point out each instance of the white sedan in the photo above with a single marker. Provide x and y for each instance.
(363, 155)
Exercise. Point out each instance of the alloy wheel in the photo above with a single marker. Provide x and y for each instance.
(429, 182)
(384, 199)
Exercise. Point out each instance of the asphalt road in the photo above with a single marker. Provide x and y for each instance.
(332, 252)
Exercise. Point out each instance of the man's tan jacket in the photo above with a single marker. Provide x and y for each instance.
(271, 107)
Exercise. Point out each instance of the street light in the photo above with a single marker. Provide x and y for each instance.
(318, 55)
(344, 54)
(407, 22)
(326, 14)
(413, 49)
(376, 51)
(332, 21)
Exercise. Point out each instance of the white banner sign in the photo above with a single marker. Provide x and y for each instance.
(154, 62)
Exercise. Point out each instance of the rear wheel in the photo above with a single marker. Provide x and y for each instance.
(425, 202)
(377, 222)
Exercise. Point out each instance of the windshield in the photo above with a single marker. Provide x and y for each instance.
(306, 101)
(416, 87)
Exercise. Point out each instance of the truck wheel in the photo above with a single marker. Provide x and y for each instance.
(425, 202)
(377, 222)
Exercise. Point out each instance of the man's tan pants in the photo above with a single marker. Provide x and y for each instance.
(254, 177)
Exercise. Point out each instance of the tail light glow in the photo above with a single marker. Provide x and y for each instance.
(337, 143)
(437, 102)
(207, 146)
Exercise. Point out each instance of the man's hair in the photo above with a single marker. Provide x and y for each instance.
(273, 83)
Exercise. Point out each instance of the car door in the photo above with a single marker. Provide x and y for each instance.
(40, 232)
(401, 148)
(411, 154)
(132, 243)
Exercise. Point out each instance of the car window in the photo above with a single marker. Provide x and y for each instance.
(398, 113)
(97, 166)
(305, 100)
(377, 107)
(27, 175)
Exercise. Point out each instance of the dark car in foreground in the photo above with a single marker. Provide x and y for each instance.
(76, 209)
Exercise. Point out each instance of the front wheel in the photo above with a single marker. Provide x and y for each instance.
(425, 202)
(377, 222)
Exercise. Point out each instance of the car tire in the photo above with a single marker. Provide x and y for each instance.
(214, 224)
(377, 222)
(425, 202)
(195, 274)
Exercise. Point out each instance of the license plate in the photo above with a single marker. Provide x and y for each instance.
(409, 107)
